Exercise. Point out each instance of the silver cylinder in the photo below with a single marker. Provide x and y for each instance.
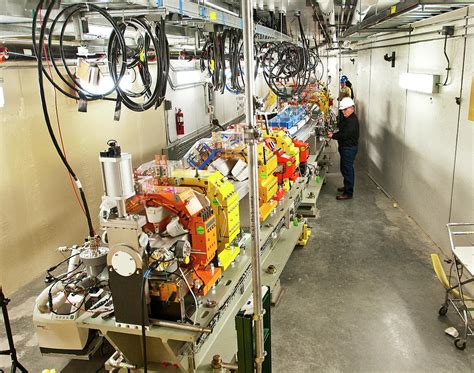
(253, 179)
(117, 179)
(95, 260)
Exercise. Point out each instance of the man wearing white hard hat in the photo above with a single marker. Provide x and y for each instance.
(348, 141)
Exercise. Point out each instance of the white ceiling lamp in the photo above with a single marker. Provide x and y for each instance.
(217, 7)
(424, 83)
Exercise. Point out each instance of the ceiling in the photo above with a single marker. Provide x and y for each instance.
(324, 21)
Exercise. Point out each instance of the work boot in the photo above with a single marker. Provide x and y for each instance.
(343, 197)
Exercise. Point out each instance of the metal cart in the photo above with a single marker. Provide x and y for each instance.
(461, 237)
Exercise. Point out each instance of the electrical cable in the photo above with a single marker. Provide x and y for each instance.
(448, 68)
(72, 83)
(118, 62)
(236, 81)
(223, 52)
(59, 123)
(150, 42)
(39, 54)
(49, 270)
(287, 68)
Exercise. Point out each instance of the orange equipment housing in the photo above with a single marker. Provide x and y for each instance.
(199, 220)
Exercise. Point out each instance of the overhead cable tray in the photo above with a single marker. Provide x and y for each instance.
(185, 8)
(398, 17)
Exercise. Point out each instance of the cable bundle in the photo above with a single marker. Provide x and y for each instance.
(287, 68)
(122, 59)
(138, 58)
(213, 52)
(223, 52)
(236, 82)
(150, 45)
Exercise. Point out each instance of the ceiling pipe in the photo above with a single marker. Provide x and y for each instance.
(318, 17)
(350, 17)
(362, 8)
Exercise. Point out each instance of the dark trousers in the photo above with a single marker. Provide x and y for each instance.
(348, 155)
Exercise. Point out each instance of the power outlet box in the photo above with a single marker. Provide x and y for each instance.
(447, 31)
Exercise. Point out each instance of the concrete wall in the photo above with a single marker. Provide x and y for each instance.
(419, 146)
(37, 205)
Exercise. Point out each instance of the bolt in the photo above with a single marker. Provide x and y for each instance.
(216, 362)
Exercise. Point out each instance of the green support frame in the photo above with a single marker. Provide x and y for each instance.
(245, 338)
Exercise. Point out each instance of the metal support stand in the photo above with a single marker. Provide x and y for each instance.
(11, 346)
(251, 139)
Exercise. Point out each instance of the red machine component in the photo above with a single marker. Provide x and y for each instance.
(280, 194)
(179, 122)
(304, 150)
(288, 166)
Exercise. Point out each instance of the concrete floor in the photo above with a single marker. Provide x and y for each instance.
(361, 296)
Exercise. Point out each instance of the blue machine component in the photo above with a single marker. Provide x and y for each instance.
(288, 118)
(206, 156)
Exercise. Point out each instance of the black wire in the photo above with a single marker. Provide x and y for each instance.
(50, 301)
(83, 291)
(153, 92)
(73, 9)
(285, 63)
(197, 274)
(61, 262)
(224, 50)
(447, 59)
(45, 108)
(63, 275)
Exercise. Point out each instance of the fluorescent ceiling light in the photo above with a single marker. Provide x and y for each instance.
(424, 83)
(217, 7)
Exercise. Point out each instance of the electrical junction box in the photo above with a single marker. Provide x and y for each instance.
(447, 31)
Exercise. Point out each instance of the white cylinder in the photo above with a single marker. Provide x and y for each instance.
(73, 263)
(117, 177)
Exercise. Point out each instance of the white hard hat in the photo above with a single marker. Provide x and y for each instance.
(346, 102)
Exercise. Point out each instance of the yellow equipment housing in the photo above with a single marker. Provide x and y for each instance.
(224, 202)
(266, 208)
(267, 164)
(285, 143)
(267, 181)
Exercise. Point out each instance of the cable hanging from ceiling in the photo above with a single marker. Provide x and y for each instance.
(148, 45)
(136, 48)
(222, 56)
(287, 67)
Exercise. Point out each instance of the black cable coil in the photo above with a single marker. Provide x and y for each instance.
(151, 44)
(287, 68)
(223, 51)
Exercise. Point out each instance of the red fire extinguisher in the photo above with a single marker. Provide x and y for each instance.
(3, 54)
(179, 122)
